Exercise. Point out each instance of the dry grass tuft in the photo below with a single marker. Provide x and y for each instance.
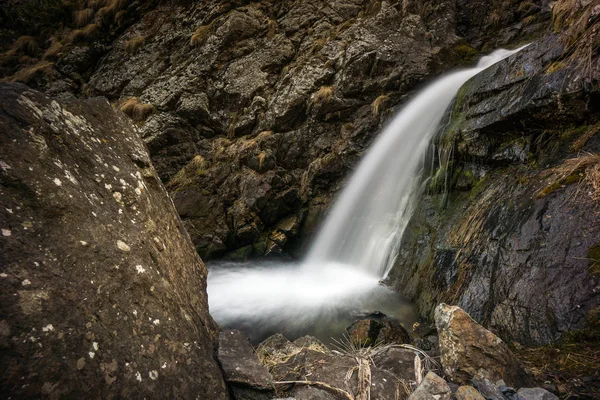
(200, 35)
(83, 17)
(26, 75)
(494, 19)
(584, 169)
(132, 46)
(583, 139)
(378, 104)
(97, 4)
(26, 45)
(323, 95)
(187, 175)
(136, 110)
(271, 28)
(53, 51)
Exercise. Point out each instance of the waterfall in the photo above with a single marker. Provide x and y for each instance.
(366, 223)
(357, 244)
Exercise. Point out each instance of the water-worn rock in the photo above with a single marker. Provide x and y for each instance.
(101, 291)
(240, 363)
(468, 393)
(377, 330)
(534, 394)
(432, 387)
(469, 351)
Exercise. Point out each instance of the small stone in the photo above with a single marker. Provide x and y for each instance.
(6, 232)
(153, 375)
(26, 282)
(57, 182)
(80, 363)
(48, 328)
(534, 394)
(468, 393)
(123, 246)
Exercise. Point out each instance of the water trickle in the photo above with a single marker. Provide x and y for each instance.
(358, 243)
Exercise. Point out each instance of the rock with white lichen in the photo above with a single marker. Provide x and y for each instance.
(101, 290)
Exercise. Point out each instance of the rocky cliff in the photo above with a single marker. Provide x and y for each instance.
(510, 228)
(102, 294)
(255, 112)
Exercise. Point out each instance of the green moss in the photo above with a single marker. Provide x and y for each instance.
(465, 52)
(478, 188)
(553, 187)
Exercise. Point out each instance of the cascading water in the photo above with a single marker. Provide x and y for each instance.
(358, 242)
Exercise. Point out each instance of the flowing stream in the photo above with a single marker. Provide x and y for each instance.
(358, 242)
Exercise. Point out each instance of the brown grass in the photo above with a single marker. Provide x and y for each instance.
(200, 35)
(112, 9)
(26, 45)
(136, 110)
(83, 17)
(26, 75)
(271, 28)
(584, 169)
(378, 104)
(323, 95)
(494, 19)
(187, 175)
(97, 4)
(53, 51)
(85, 33)
(583, 139)
(132, 46)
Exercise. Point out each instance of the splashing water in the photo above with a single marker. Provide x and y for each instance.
(358, 243)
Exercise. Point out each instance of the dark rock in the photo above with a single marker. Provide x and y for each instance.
(371, 331)
(534, 394)
(469, 351)
(400, 362)
(101, 290)
(240, 363)
(488, 390)
(432, 387)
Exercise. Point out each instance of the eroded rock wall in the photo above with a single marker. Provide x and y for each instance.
(102, 293)
(262, 108)
(510, 227)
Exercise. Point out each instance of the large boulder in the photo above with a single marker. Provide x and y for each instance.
(469, 351)
(101, 290)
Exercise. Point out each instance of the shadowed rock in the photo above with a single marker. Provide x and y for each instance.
(101, 290)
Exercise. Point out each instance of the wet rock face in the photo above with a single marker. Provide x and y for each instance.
(470, 351)
(101, 290)
(278, 98)
(510, 243)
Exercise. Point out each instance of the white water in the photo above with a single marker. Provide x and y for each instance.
(359, 240)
